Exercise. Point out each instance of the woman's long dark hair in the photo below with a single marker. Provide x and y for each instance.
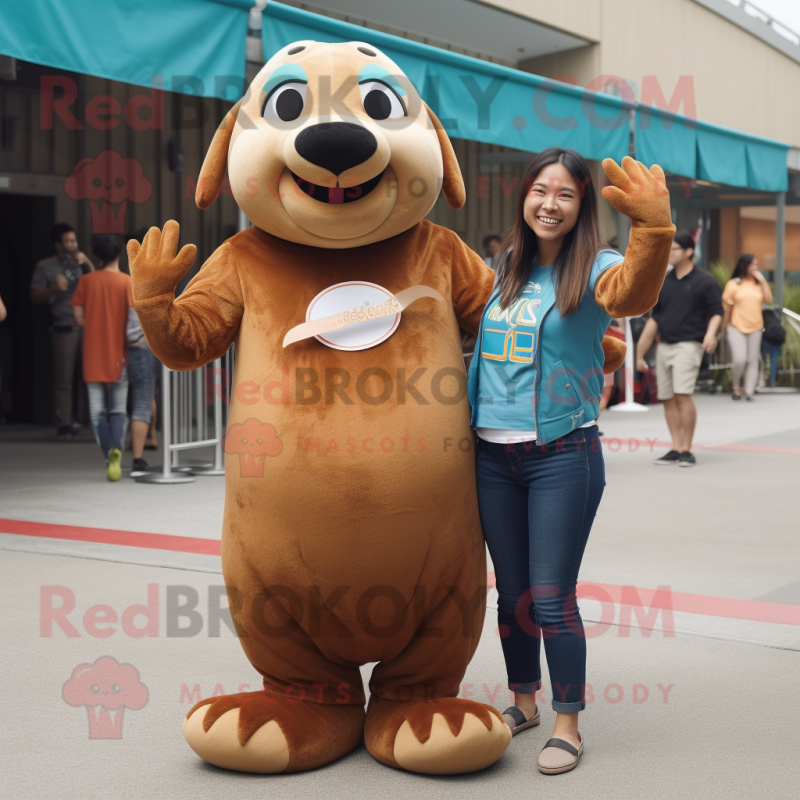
(740, 271)
(573, 265)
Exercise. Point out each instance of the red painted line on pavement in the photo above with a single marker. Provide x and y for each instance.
(651, 444)
(150, 541)
(702, 604)
(754, 448)
(662, 598)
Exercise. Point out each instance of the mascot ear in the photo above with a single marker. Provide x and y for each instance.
(216, 161)
(453, 183)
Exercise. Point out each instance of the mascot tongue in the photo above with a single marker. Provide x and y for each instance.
(336, 195)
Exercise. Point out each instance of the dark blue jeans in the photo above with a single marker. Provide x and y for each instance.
(107, 409)
(774, 353)
(142, 365)
(537, 506)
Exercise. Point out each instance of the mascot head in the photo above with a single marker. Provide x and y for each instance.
(333, 147)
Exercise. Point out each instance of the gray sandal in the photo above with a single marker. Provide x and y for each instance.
(559, 756)
(515, 718)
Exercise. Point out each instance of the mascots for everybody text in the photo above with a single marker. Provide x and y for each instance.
(351, 530)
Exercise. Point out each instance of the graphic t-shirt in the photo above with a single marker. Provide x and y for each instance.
(505, 356)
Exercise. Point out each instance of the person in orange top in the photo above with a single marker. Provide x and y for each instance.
(744, 295)
(101, 302)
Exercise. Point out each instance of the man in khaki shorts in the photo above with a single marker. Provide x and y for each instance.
(686, 318)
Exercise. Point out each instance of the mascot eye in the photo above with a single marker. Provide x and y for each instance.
(286, 102)
(380, 102)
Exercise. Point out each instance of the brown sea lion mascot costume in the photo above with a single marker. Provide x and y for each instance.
(351, 530)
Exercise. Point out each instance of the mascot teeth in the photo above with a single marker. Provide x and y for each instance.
(337, 195)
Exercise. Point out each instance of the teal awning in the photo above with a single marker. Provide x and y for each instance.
(486, 102)
(198, 46)
(476, 99)
(696, 149)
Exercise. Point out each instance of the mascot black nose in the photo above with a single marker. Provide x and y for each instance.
(336, 146)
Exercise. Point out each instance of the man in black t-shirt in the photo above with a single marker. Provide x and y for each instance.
(686, 319)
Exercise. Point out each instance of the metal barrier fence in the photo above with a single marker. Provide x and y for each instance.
(187, 422)
(793, 319)
(721, 357)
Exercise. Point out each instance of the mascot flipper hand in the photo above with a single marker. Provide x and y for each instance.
(351, 531)
(631, 287)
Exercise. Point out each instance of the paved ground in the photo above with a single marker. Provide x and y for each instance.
(722, 537)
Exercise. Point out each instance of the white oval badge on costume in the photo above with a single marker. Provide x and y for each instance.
(352, 298)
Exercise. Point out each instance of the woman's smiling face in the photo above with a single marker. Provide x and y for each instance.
(553, 203)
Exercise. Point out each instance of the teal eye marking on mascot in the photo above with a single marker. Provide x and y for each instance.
(284, 74)
(373, 72)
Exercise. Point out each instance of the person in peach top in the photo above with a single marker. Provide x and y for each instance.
(744, 295)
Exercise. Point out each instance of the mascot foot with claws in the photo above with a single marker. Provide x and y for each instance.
(269, 733)
(442, 736)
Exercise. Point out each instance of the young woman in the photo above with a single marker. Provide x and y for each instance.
(534, 385)
(744, 295)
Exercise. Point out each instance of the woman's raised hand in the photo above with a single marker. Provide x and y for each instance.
(638, 192)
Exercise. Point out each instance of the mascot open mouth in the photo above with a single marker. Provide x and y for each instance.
(337, 195)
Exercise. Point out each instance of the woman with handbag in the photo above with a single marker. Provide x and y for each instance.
(534, 385)
(743, 297)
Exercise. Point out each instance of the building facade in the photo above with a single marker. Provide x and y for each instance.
(704, 59)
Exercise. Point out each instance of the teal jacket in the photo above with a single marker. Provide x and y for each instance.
(568, 359)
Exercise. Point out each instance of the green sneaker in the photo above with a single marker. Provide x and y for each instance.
(114, 472)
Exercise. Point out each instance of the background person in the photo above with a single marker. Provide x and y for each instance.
(743, 297)
(142, 365)
(609, 378)
(142, 375)
(101, 304)
(686, 317)
(151, 442)
(492, 246)
(539, 462)
(772, 340)
(54, 281)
